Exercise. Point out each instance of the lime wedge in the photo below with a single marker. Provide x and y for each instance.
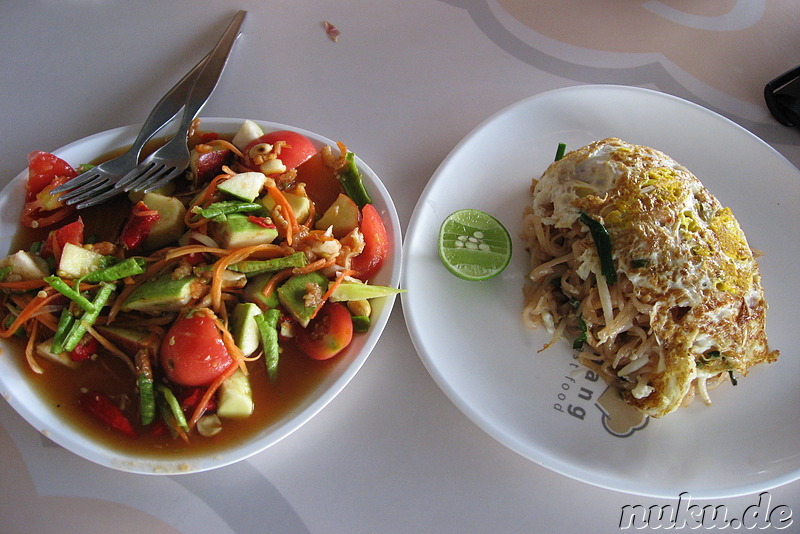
(473, 245)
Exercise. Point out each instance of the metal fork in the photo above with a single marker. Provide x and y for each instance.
(172, 159)
(102, 178)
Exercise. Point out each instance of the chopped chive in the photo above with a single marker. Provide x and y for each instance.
(602, 242)
(5, 272)
(581, 339)
(562, 147)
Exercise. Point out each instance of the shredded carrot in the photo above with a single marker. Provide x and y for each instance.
(315, 266)
(32, 363)
(211, 391)
(286, 211)
(204, 199)
(192, 249)
(208, 193)
(227, 338)
(276, 279)
(110, 347)
(41, 315)
(152, 323)
(23, 285)
(47, 319)
(222, 143)
(28, 311)
(223, 263)
(331, 288)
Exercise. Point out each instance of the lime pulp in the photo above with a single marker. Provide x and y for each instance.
(473, 245)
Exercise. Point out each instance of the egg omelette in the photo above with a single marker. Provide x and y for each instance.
(653, 280)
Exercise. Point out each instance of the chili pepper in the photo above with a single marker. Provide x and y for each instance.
(158, 428)
(101, 408)
(263, 222)
(191, 398)
(86, 347)
(138, 226)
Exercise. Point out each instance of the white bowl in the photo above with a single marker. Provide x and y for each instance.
(18, 390)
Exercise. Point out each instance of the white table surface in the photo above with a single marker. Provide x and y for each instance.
(404, 83)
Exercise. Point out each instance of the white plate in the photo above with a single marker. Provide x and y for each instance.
(17, 390)
(471, 338)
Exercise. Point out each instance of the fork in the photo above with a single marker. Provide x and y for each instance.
(101, 178)
(172, 159)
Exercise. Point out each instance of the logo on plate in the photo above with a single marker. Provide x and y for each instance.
(581, 388)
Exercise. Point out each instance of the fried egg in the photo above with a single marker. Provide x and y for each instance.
(680, 257)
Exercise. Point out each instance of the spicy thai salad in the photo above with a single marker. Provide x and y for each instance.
(175, 298)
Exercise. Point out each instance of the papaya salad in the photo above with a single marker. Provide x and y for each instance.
(168, 317)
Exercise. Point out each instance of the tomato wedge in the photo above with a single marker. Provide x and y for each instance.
(376, 243)
(45, 172)
(56, 239)
(137, 227)
(43, 168)
(328, 333)
(322, 186)
(192, 352)
(296, 150)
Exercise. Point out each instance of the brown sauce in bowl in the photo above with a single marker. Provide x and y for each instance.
(298, 375)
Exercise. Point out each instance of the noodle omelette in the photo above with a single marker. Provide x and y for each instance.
(682, 308)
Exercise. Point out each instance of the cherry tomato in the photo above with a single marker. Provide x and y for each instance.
(192, 352)
(45, 172)
(328, 333)
(322, 186)
(43, 168)
(56, 239)
(296, 150)
(376, 243)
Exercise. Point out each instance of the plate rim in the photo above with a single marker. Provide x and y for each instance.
(551, 462)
